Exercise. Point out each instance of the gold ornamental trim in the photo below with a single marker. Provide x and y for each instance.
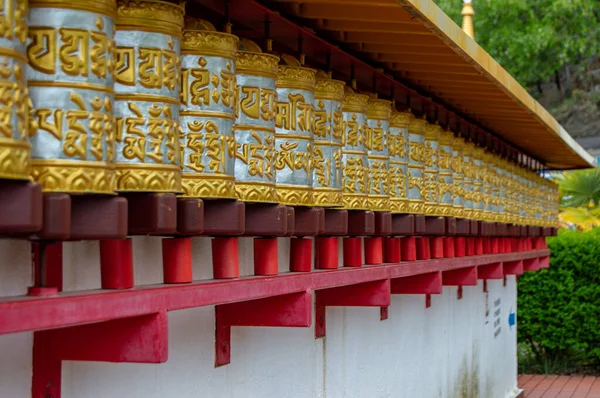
(399, 205)
(294, 196)
(354, 102)
(355, 201)
(401, 119)
(432, 209)
(73, 85)
(418, 126)
(459, 211)
(432, 132)
(150, 16)
(379, 202)
(220, 186)
(256, 192)
(296, 77)
(416, 206)
(458, 143)
(379, 109)
(256, 64)
(104, 7)
(15, 159)
(329, 89)
(446, 137)
(148, 178)
(204, 42)
(11, 53)
(328, 197)
(56, 175)
(147, 98)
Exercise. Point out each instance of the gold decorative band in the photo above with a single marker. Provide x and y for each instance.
(294, 196)
(256, 192)
(208, 186)
(15, 159)
(147, 98)
(401, 119)
(105, 7)
(416, 206)
(9, 52)
(150, 15)
(220, 115)
(354, 102)
(56, 175)
(255, 128)
(76, 86)
(327, 197)
(379, 109)
(399, 205)
(204, 42)
(296, 77)
(379, 202)
(355, 201)
(329, 89)
(257, 64)
(145, 177)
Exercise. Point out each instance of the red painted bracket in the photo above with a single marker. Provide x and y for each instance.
(460, 277)
(532, 264)
(142, 339)
(288, 310)
(369, 294)
(430, 283)
(513, 267)
(545, 262)
(490, 271)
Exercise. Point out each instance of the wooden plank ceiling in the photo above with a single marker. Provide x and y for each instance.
(415, 41)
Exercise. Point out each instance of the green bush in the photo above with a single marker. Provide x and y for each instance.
(559, 307)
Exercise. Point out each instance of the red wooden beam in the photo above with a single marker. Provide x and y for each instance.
(460, 277)
(289, 310)
(430, 283)
(513, 267)
(369, 294)
(490, 271)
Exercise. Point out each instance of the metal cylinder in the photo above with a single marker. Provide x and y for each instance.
(354, 152)
(478, 190)
(378, 122)
(487, 192)
(446, 181)
(416, 153)
(502, 187)
(468, 167)
(294, 135)
(147, 96)
(254, 127)
(431, 173)
(458, 177)
(328, 135)
(207, 114)
(495, 178)
(70, 79)
(398, 147)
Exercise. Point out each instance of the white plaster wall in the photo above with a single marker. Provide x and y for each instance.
(448, 350)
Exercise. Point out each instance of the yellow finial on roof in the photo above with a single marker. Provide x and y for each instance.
(467, 22)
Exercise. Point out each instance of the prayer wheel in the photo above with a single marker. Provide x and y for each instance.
(147, 88)
(398, 148)
(354, 152)
(328, 138)
(207, 114)
(431, 173)
(254, 128)
(445, 173)
(416, 155)
(378, 155)
(478, 189)
(294, 134)
(487, 186)
(70, 79)
(468, 167)
(458, 177)
(503, 206)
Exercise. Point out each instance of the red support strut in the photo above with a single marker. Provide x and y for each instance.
(300, 254)
(226, 260)
(116, 264)
(177, 260)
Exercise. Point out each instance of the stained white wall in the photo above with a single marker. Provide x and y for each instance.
(448, 350)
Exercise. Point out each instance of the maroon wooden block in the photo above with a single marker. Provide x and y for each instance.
(540, 243)
(490, 271)
(435, 226)
(420, 225)
(20, 207)
(383, 223)
(98, 217)
(403, 224)
(289, 310)
(429, 283)
(436, 246)
(409, 248)
(336, 222)
(474, 228)
(361, 223)
(307, 220)
(513, 267)
(524, 231)
(265, 219)
(151, 213)
(56, 223)
(451, 226)
(501, 229)
(534, 231)
(224, 217)
(291, 221)
(460, 277)
(547, 231)
(463, 226)
(190, 216)
(449, 247)
(368, 294)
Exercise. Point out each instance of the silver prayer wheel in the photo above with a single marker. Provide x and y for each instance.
(328, 135)
(458, 177)
(431, 173)
(254, 127)
(446, 181)
(416, 154)
(378, 122)
(147, 98)
(354, 151)
(294, 135)
(70, 79)
(207, 114)
(15, 150)
(398, 147)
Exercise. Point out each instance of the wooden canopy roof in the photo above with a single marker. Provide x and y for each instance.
(417, 41)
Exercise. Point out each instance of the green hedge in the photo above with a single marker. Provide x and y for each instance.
(559, 307)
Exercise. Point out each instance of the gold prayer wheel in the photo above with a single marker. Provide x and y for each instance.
(15, 150)
(458, 177)
(294, 134)
(416, 155)
(207, 115)
(398, 148)
(378, 155)
(468, 166)
(70, 79)
(445, 173)
(479, 193)
(431, 173)
(147, 96)
(328, 140)
(354, 151)
(487, 186)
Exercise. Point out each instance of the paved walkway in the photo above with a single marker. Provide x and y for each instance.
(548, 386)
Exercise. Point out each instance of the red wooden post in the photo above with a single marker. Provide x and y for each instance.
(374, 250)
(436, 246)
(423, 249)
(327, 252)
(177, 260)
(265, 256)
(300, 254)
(353, 252)
(449, 247)
(226, 261)
(409, 248)
(116, 264)
(391, 253)
(460, 246)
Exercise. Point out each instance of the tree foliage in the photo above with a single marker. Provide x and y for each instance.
(534, 39)
(580, 197)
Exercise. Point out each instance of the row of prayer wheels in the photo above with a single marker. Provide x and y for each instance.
(104, 97)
